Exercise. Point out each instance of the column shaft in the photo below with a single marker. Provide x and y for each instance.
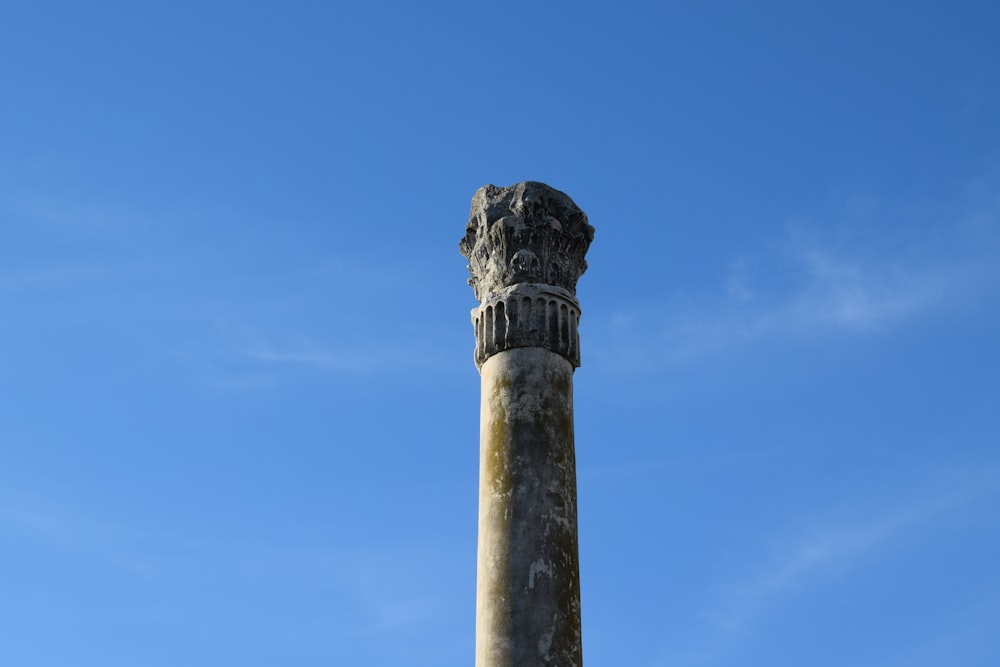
(528, 581)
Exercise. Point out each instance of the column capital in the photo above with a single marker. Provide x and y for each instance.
(526, 244)
(525, 233)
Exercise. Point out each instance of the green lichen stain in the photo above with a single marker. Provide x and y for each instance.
(562, 383)
(560, 412)
(497, 470)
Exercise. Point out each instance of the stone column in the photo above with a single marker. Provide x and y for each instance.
(526, 245)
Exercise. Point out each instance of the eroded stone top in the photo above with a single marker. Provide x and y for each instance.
(524, 233)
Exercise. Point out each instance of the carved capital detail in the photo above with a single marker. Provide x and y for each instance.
(526, 244)
(528, 315)
(525, 233)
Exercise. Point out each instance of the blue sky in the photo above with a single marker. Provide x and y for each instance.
(239, 409)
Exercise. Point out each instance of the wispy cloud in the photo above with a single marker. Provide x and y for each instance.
(809, 285)
(829, 546)
(68, 531)
(314, 599)
(766, 585)
(373, 357)
(350, 361)
(241, 315)
(51, 276)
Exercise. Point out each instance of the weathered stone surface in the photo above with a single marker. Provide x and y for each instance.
(525, 233)
(526, 244)
(528, 575)
(528, 315)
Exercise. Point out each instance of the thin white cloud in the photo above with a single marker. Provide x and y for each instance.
(796, 562)
(48, 276)
(70, 532)
(825, 548)
(58, 216)
(862, 298)
(810, 287)
(375, 357)
(371, 591)
(345, 361)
